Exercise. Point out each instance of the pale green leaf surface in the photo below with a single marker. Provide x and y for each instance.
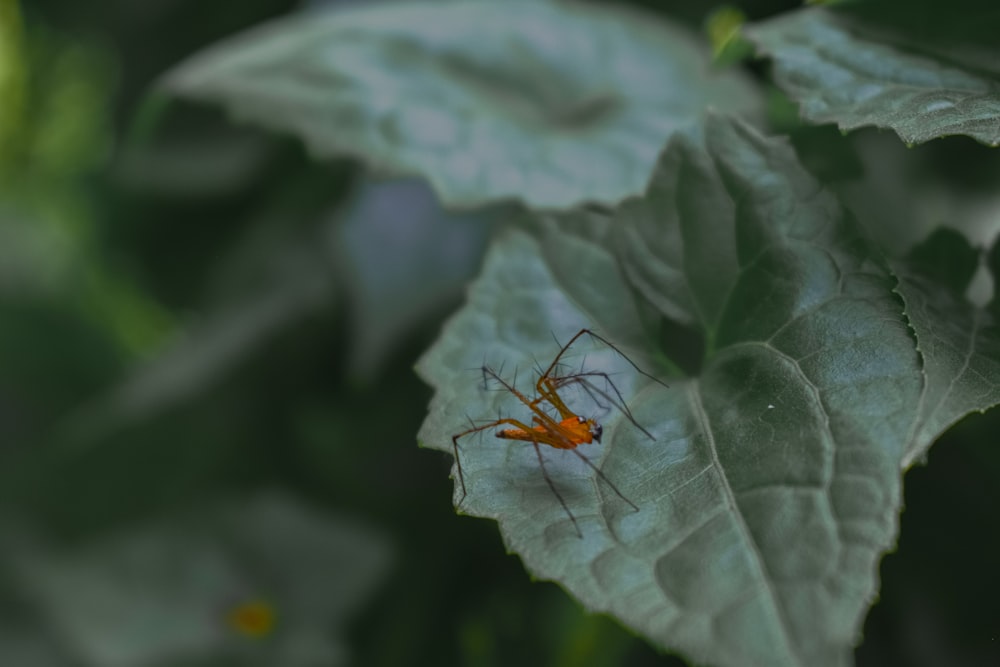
(161, 595)
(847, 69)
(550, 103)
(772, 483)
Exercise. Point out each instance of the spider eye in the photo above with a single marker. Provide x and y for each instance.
(581, 419)
(598, 431)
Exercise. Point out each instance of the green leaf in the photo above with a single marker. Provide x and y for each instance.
(959, 342)
(550, 103)
(772, 483)
(924, 72)
(165, 594)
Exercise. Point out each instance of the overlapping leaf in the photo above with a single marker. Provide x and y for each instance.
(550, 103)
(925, 70)
(772, 485)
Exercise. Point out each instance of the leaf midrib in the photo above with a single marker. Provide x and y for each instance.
(699, 411)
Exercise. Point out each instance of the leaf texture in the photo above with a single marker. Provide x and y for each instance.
(848, 68)
(772, 483)
(549, 103)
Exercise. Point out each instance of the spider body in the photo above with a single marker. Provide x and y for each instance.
(552, 422)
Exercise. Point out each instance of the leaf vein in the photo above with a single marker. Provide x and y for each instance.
(758, 558)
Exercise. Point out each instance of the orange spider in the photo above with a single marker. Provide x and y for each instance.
(569, 430)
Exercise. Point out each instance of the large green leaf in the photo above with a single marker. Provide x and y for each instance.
(772, 483)
(924, 70)
(550, 103)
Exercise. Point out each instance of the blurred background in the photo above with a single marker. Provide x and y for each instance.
(208, 409)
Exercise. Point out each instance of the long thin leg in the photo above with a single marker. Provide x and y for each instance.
(555, 362)
(493, 424)
(490, 373)
(546, 420)
(555, 491)
(607, 481)
(591, 389)
(569, 344)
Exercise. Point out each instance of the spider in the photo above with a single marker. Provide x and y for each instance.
(567, 431)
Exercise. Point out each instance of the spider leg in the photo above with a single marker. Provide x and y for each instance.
(544, 418)
(555, 362)
(593, 391)
(555, 491)
(489, 373)
(607, 481)
(553, 438)
(454, 447)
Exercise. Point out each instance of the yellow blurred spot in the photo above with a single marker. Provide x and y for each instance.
(723, 26)
(253, 619)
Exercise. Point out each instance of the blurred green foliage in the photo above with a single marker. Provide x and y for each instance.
(181, 323)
